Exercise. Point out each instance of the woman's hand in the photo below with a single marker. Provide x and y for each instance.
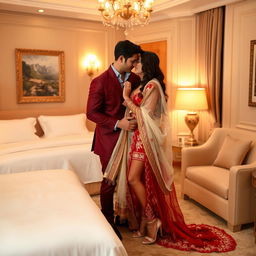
(127, 89)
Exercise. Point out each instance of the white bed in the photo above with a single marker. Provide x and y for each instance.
(65, 144)
(64, 152)
(49, 213)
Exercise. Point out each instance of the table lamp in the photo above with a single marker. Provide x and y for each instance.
(191, 99)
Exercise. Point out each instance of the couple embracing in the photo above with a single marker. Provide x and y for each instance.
(133, 140)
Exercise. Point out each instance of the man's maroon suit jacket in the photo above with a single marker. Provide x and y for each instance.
(104, 107)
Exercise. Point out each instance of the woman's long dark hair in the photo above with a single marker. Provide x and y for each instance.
(151, 69)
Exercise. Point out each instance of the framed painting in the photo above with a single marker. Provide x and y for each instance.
(252, 76)
(40, 76)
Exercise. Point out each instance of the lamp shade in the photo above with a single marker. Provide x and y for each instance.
(191, 99)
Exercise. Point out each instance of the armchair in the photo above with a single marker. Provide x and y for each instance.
(226, 192)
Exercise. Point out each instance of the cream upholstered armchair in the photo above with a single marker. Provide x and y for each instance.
(218, 173)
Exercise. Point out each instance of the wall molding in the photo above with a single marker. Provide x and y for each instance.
(239, 30)
(247, 126)
(14, 18)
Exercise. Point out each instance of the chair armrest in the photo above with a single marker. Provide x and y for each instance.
(240, 194)
(200, 155)
(204, 154)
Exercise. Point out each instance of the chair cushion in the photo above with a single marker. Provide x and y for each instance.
(212, 178)
(232, 152)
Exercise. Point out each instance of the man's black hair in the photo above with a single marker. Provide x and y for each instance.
(127, 49)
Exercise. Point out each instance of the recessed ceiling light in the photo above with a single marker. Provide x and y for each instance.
(40, 10)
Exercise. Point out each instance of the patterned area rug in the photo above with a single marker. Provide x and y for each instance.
(194, 213)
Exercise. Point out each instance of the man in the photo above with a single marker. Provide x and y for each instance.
(105, 108)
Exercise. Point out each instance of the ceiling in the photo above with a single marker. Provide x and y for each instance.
(88, 9)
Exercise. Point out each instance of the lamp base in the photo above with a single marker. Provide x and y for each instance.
(191, 142)
(191, 120)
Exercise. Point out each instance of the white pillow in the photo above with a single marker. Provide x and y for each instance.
(17, 130)
(55, 126)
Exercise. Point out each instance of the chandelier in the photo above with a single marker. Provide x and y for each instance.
(125, 13)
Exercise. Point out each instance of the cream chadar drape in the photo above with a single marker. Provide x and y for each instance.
(155, 132)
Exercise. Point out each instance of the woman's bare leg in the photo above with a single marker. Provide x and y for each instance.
(134, 180)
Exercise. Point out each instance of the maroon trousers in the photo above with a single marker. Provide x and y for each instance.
(107, 194)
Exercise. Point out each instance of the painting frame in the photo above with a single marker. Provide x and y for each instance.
(252, 75)
(39, 76)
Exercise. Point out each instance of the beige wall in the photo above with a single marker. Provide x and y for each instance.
(76, 38)
(240, 29)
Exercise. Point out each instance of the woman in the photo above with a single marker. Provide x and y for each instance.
(146, 192)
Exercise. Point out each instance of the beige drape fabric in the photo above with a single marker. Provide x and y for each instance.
(210, 29)
(155, 133)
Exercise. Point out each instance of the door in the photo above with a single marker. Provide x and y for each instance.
(160, 48)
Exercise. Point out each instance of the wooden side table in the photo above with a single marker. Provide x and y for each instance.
(176, 149)
(254, 185)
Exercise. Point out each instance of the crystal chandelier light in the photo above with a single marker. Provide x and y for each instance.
(125, 13)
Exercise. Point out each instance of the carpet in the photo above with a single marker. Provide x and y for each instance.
(193, 213)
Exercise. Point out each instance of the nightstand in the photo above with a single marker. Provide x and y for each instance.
(254, 185)
(176, 149)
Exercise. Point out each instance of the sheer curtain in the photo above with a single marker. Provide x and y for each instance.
(210, 32)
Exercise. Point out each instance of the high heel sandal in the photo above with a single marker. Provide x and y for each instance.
(142, 230)
(158, 227)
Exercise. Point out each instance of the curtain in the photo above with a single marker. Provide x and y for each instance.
(210, 33)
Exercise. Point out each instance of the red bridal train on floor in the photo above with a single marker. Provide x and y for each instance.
(176, 233)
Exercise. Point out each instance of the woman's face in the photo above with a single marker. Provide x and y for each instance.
(138, 68)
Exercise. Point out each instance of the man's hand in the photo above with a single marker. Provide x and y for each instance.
(127, 123)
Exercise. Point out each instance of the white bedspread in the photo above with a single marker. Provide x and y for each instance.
(67, 152)
(49, 213)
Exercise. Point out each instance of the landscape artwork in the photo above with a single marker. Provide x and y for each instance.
(40, 76)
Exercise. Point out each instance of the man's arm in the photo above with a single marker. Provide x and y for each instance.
(95, 106)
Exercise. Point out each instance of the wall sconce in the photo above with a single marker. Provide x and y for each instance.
(91, 64)
(191, 99)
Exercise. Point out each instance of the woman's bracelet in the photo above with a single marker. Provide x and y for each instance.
(130, 104)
